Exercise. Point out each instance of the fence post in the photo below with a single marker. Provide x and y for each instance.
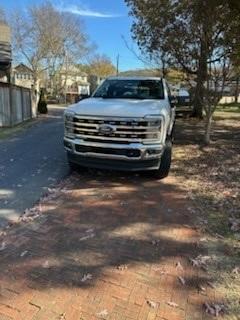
(22, 104)
(30, 103)
(10, 105)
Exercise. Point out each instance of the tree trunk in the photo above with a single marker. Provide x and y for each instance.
(207, 135)
(237, 89)
(201, 77)
(198, 95)
(34, 94)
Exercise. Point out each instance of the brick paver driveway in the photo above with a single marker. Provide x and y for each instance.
(108, 246)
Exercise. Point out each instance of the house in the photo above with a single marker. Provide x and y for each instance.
(22, 76)
(74, 83)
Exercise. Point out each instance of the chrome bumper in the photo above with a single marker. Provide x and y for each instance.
(146, 152)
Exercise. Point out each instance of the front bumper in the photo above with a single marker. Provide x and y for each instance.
(129, 157)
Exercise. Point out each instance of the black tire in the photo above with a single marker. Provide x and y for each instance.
(73, 166)
(166, 160)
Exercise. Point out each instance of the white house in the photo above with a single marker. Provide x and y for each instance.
(22, 76)
(74, 83)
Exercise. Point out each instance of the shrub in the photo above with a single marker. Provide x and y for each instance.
(42, 104)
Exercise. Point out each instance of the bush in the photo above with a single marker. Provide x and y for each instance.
(42, 104)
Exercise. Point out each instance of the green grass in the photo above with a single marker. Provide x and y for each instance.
(229, 107)
(9, 132)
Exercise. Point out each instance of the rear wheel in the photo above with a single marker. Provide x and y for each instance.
(166, 160)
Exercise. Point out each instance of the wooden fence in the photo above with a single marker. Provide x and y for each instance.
(15, 104)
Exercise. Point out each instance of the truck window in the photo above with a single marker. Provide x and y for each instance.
(130, 89)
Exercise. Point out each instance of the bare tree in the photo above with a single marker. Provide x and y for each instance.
(43, 37)
(100, 65)
(218, 75)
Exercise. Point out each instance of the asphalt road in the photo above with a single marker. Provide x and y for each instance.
(30, 162)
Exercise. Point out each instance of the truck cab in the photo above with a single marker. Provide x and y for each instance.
(127, 124)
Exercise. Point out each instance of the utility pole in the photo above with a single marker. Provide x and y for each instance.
(118, 57)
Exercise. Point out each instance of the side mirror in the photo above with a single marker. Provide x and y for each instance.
(173, 101)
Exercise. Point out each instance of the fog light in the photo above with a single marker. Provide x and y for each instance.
(68, 145)
(152, 152)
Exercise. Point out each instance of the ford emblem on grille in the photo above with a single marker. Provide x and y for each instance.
(106, 129)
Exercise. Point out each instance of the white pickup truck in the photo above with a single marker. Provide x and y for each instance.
(127, 124)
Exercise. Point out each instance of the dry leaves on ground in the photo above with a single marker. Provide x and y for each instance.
(182, 280)
(152, 304)
(122, 267)
(23, 254)
(172, 304)
(86, 277)
(201, 262)
(3, 246)
(179, 266)
(234, 224)
(214, 309)
(103, 313)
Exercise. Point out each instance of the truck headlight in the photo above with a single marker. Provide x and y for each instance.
(153, 129)
(69, 116)
(69, 123)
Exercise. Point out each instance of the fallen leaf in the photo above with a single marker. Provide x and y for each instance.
(182, 280)
(92, 235)
(236, 270)
(200, 262)
(124, 203)
(209, 309)
(214, 309)
(152, 304)
(3, 233)
(201, 288)
(91, 230)
(234, 224)
(155, 242)
(3, 246)
(122, 267)
(211, 285)
(45, 264)
(179, 265)
(103, 313)
(23, 253)
(172, 304)
(86, 277)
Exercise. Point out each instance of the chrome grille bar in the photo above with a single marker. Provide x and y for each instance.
(128, 130)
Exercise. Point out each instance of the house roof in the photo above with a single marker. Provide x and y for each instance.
(22, 68)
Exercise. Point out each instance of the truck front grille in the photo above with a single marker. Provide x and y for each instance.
(122, 131)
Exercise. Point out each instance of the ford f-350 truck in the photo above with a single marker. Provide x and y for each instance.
(127, 124)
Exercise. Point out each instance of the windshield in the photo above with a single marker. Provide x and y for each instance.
(130, 89)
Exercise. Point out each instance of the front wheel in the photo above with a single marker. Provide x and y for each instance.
(166, 160)
(73, 166)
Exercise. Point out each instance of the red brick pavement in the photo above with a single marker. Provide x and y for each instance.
(107, 248)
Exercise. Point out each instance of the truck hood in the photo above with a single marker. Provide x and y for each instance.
(119, 107)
